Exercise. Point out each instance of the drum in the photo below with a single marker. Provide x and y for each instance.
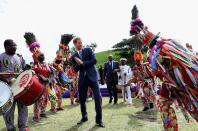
(6, 98)
(27, 88)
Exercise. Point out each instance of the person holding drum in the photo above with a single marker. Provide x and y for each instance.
(42, 70)
(10, 65)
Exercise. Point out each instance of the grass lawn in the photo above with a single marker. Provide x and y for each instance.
(119, 117)
(102, 56)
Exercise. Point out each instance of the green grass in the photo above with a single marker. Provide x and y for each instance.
(119, 117)
(102, 56)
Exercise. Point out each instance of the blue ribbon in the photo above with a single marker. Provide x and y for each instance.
(153, 65)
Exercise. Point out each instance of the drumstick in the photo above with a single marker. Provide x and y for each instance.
(9, 73)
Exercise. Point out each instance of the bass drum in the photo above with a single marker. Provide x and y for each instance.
(6, 98)
(27, 88)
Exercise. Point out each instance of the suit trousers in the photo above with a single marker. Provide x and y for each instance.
(83, 87)
(112, 89)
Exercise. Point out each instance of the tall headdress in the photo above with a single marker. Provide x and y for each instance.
(63, 46)
(63, 52)
(66, 38)
(33, 45)
(138, 29)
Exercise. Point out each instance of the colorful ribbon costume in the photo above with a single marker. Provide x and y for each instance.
(62, 57)
(66, 73)
(178, 69)
(146, 81)
(73, 86)
(42, 71)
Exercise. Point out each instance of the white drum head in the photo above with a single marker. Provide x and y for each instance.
(21, 82)
(5, 93)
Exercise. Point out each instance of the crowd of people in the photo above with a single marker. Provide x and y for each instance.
(77, 73)
(56, 79)
(169, 75)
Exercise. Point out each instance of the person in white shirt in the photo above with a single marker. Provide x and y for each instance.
(125, 75)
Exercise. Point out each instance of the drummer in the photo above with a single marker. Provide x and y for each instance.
(10, 62)
(42, 70)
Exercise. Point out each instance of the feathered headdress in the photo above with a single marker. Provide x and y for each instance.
(141, 31)
(66, 38)
(136, 23)
(31, 41)
(33, 45)
(134, 12)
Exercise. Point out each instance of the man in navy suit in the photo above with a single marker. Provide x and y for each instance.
(110, 73)
(84, 61)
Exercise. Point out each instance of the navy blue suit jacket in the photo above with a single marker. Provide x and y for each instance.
(110, 76)
(88, 68)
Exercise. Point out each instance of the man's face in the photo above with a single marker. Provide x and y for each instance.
(78, 44)
(11, 48)
(110, 58)
(123, 62)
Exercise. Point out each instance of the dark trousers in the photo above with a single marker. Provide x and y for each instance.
(112, 89)
(83, 87)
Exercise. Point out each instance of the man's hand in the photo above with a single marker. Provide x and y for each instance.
(78, 61)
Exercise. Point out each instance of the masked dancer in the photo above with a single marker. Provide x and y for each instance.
(177, 67)
(43, 72)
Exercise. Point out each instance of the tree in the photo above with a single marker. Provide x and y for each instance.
(93, 46)
(72, 49)
(127, 48)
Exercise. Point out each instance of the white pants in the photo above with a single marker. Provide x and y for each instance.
(127, 92)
